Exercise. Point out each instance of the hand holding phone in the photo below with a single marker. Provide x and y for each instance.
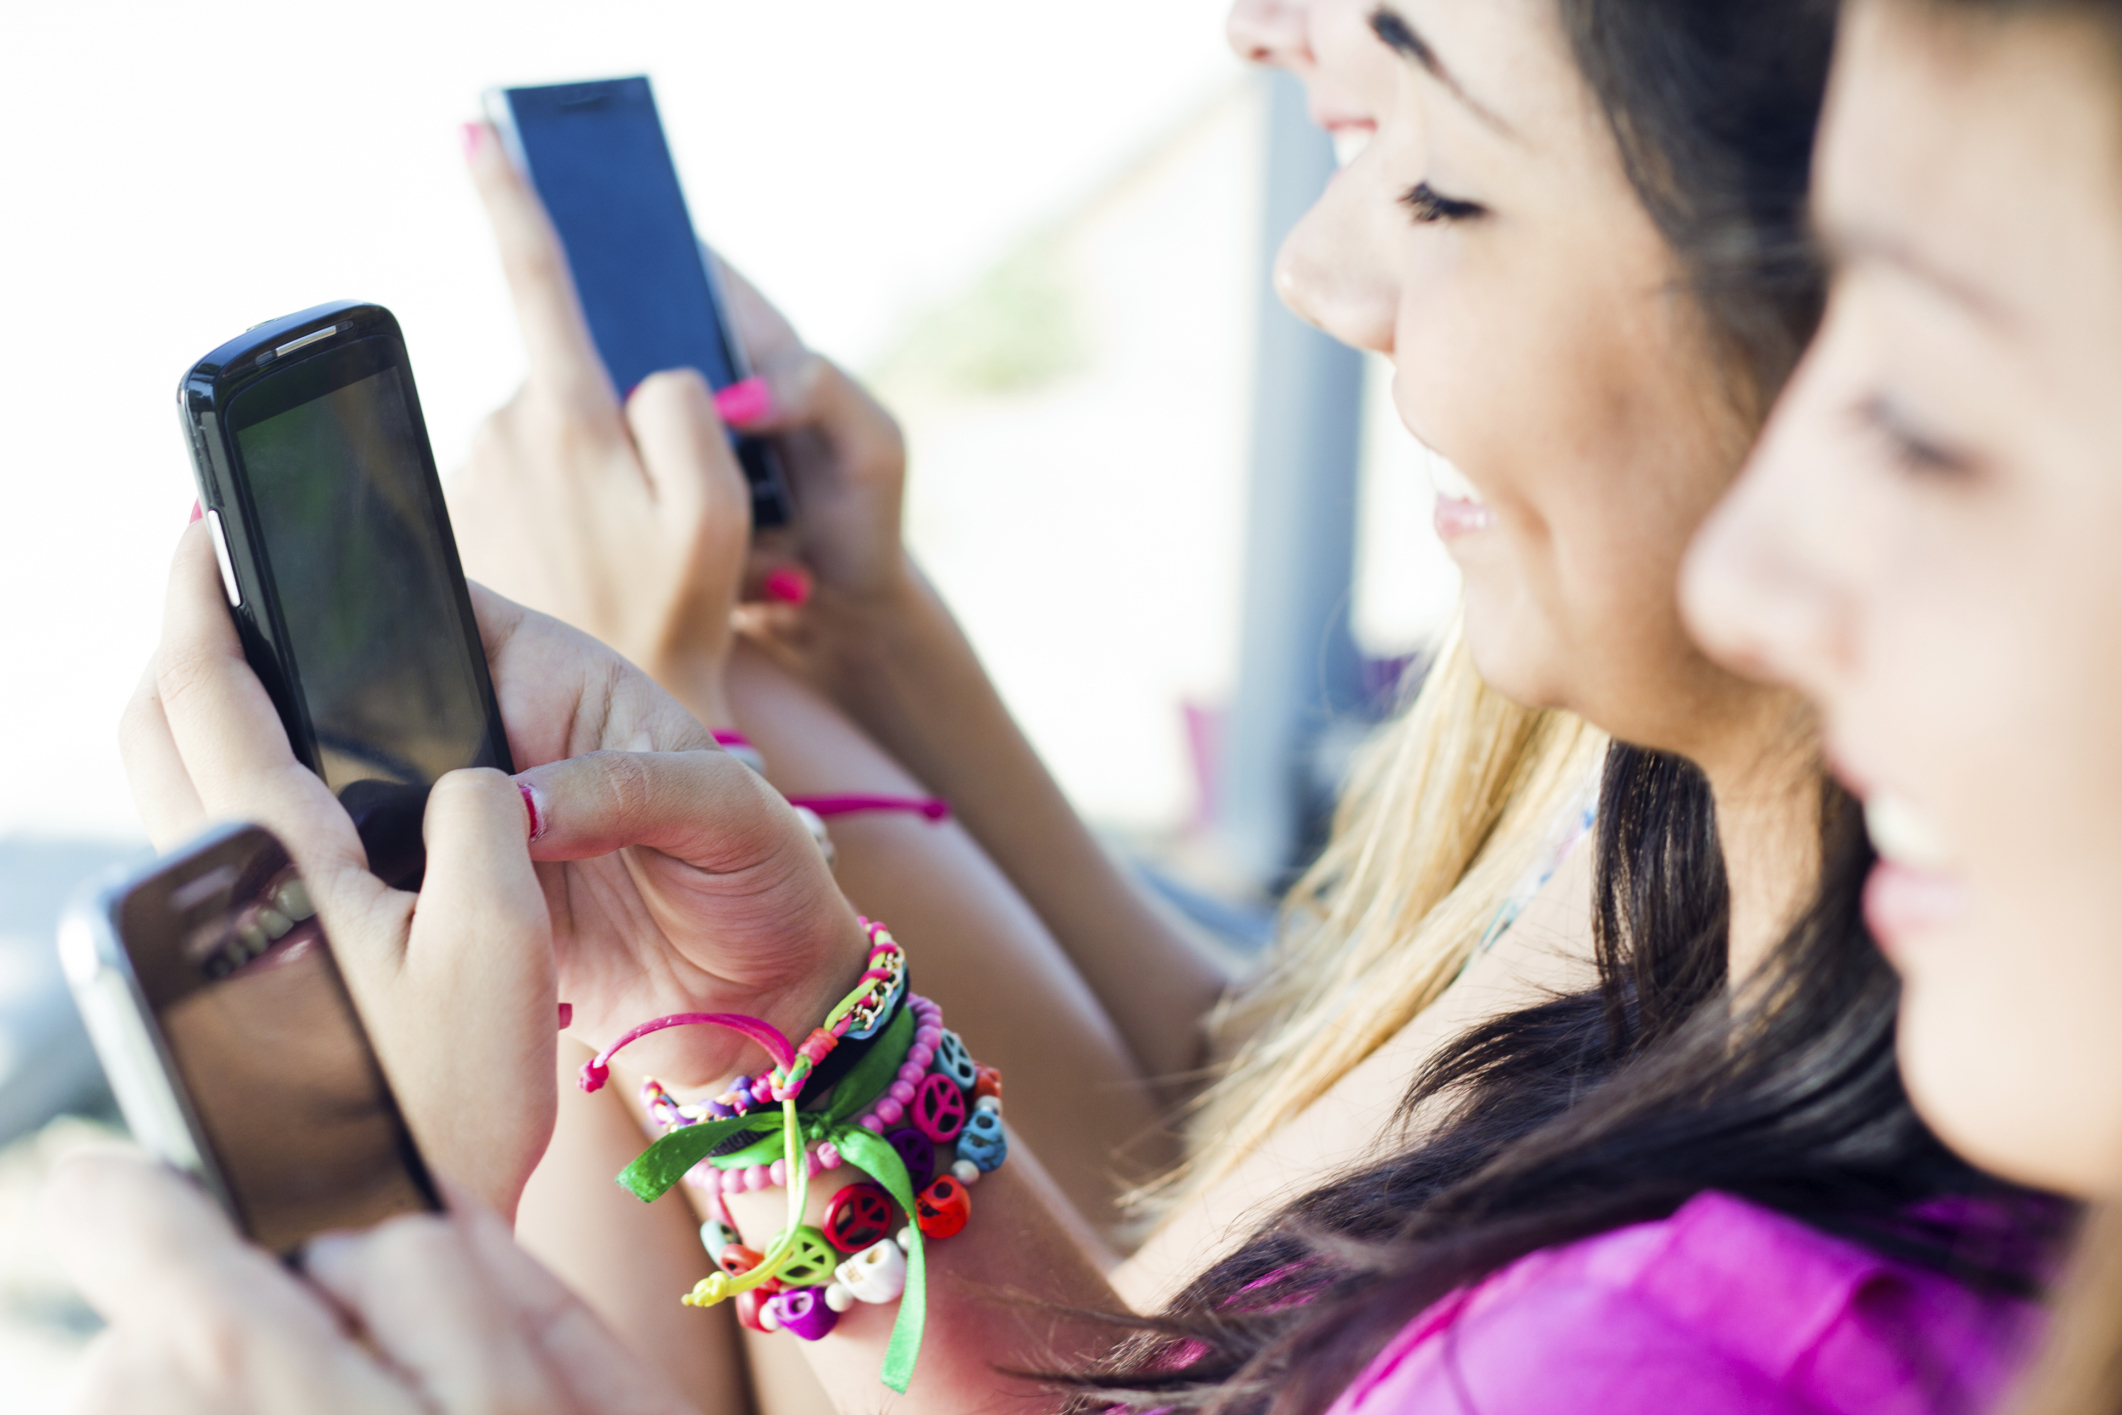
(680, 880)
(461, 986)
(628, 521)
(450, 1316)
(650, 293)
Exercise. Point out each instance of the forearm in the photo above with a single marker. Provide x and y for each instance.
(1004, 1295)
(629, 1262)
(906, 672)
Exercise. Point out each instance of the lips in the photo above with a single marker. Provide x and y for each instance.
(1914, 888)
(1460, 509)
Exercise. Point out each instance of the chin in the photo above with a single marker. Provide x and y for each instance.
(1513, 650)
(1994, 1118)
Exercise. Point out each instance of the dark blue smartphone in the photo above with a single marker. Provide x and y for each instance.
(596, 154)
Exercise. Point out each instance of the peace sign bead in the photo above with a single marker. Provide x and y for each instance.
(858, 1216)
(938, 1110)
(917, 1152)
(810, 1261)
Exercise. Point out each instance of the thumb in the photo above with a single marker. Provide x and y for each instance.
(705, 808)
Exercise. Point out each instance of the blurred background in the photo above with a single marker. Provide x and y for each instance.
(1186, 533)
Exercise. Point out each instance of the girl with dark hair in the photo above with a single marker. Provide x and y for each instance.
(1924, 544)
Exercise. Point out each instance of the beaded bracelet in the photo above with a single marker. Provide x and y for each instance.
(957, 1103)
(887, 1108)
(798, 1262)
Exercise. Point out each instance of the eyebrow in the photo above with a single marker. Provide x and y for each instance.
(1398, 35)
(1855, 245)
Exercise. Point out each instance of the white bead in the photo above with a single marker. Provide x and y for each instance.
(966, 1172)
(876, 1274)
(769, 1315)
(839, 1296)
(906, 1238)
(993, 1103)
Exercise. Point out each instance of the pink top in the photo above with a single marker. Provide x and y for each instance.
(1723, 1308)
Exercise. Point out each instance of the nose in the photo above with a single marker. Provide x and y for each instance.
(1270, 32)
(1339, 269)
(1765, 586)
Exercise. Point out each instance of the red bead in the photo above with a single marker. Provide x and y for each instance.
(943, 1208)
(748, 1305)
(938, 1109)
(858, 1216)
(989, 1084)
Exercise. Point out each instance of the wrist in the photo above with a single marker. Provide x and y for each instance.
(802, 1007)
(696, 681)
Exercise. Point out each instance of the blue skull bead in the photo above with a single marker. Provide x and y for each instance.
(954, 1061)
(983, 1142)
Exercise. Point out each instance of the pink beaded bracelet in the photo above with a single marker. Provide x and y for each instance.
(888, 1109)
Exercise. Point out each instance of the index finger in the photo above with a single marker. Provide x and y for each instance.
(563, 358)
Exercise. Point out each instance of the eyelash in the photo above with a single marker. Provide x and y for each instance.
(1427, 205)
(1910, 450)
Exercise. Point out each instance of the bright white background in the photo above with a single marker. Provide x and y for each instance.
(175, 172)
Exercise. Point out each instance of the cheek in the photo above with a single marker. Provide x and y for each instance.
(1576, 430)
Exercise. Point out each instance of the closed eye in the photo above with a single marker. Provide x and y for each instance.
(1428, 204)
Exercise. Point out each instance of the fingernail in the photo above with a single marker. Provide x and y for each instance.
(746, 402)
(567, 1015)
(788, 585)
(534, 808)
(474, 135)
(198, 512)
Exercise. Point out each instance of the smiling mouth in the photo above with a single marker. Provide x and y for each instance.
(1460, 509)
(1349, 141)
(1914, 888)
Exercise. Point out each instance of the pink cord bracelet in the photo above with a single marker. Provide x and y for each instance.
(929, 807)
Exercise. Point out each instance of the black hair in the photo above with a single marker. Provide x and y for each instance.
(1607, 1108)
(1617, 1105)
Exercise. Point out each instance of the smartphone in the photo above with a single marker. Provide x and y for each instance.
(650, 291)
(321, 495)
(232, 1044)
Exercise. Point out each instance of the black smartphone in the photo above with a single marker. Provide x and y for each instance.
(326, 512)
(650, 290)
(234, 1049)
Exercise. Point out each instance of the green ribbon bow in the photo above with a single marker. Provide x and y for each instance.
(667, 1161)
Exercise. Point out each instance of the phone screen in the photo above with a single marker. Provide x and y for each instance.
(355, 544)
(271, 1053)
(598, 158)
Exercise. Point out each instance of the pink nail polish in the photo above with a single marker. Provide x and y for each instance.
(534, 807)
(474, 135)
(788, 585)
(198, 512)
(746, 402)
(567, 1015)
